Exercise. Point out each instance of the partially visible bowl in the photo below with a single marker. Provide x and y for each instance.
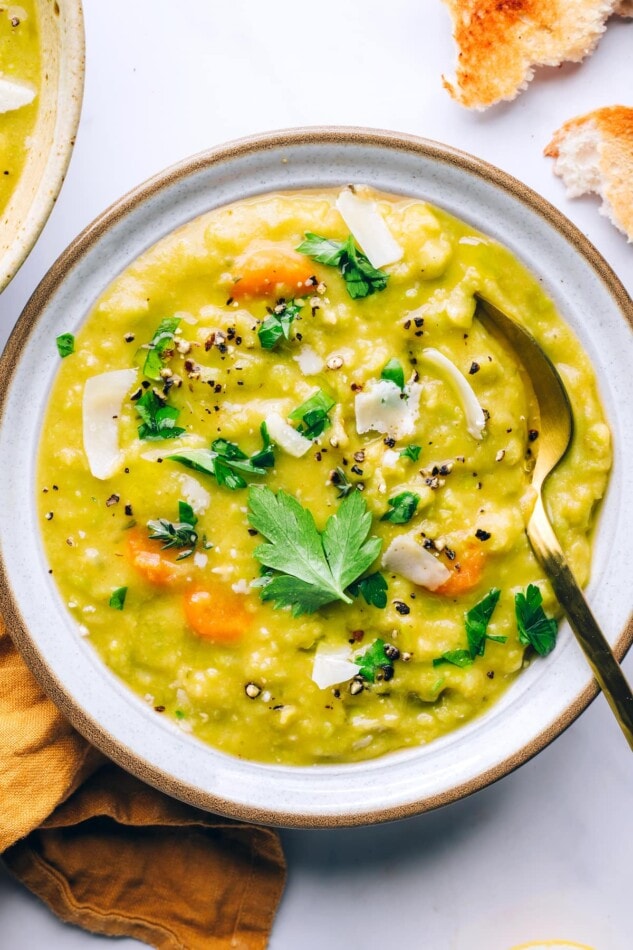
(548, 695)
(59, 94)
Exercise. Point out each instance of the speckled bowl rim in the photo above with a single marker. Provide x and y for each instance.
(70, 89)
(10, 608)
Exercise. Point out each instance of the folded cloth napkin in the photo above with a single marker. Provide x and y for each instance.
(110, 854)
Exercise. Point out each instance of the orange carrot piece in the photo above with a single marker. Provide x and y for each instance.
(471, 565)
(216, 614)
(272, 270)
(156, 566)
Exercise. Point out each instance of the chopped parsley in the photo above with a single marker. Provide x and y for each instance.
(65, 344)
(276, 326)
(117, 598)
(535, 628)
(411, 452)
(394, 372)
(179, 534)
(361, 279)
(477, 620)
(373, 588)
(374, 663)
(455, 657)
(227, 462)
(402, 508)
(312, 415)
(312, 568)
(158, 420)
(160, 347)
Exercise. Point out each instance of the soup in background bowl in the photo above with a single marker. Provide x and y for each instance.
(187, 240)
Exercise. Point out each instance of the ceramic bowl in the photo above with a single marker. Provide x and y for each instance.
(547, 696)
(60, 95)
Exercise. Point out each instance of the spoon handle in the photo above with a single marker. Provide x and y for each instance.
(606, 669)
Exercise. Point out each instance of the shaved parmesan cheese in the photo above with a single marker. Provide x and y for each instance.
(286, 437)
(369, 229)
(14, 94)
(383, 407)
(333, 665)
(310, 363)
(406, 557)
(475, 418)
(193, 493)
(103, 398)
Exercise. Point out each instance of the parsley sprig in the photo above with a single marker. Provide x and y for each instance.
(160, 347)
(373, 588)
(476, 621)
(158, 420)
(276, 326)
(361, 279)
(402, 508)
(178, 534)
(535, 628)
(312, 568)
(312, 415)
(227, 462)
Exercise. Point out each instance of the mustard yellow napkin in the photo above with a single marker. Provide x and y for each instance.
(110, 854)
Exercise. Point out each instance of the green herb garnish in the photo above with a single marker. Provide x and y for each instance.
(535, 628)
(394, 372)
(276, 327)
(313, 567)
(226, 461)
(455, 657)
(411, 452)
(477, 620)
(117, 598)
(374, 661)
(313, 415)
(158, 419)
(341, 482)
(65, 344)
(160, 347)
(373, 588)
(361, 279)
(179, 534)
(402, 508)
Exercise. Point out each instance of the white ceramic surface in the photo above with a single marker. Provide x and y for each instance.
(60, 95)
(541, 702)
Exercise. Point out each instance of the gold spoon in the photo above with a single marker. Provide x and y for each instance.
(555, 435)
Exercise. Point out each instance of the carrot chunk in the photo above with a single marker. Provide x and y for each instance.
(156, 566)
(272, 270)
(216, 614)
(466, 573)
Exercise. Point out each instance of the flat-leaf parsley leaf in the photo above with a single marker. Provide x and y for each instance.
(535, 628)
(312, 415)
(117, 598)
(373, 588)
(313, 567)
(160, 347)
(227, 462)
(158, 420)
(361, 279)
(401, 508)
(65, 344)
(276, 326)
(477, 620)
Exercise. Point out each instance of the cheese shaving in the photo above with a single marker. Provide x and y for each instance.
(286, 437)
(406, 557)
(475, 418)
(333, 665)
(369, 229)
(102, 401)
(14, 94)
(383, 407)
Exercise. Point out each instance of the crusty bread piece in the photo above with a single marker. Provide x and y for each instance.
(594, 153)
(625, 8)
(501, 41)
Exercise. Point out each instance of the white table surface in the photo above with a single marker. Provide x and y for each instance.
(546, 853)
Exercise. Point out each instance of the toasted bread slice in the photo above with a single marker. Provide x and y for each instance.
(625, 8)
(594, 153)
(501, 41)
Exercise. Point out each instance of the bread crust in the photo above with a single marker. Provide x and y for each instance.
(624, 8)
(613, 127)
(501, 41)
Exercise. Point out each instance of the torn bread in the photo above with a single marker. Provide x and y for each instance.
(500, 42)
(594, 153)
(625, 8)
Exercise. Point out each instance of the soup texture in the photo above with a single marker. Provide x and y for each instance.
(285, 475)
(19, 81)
